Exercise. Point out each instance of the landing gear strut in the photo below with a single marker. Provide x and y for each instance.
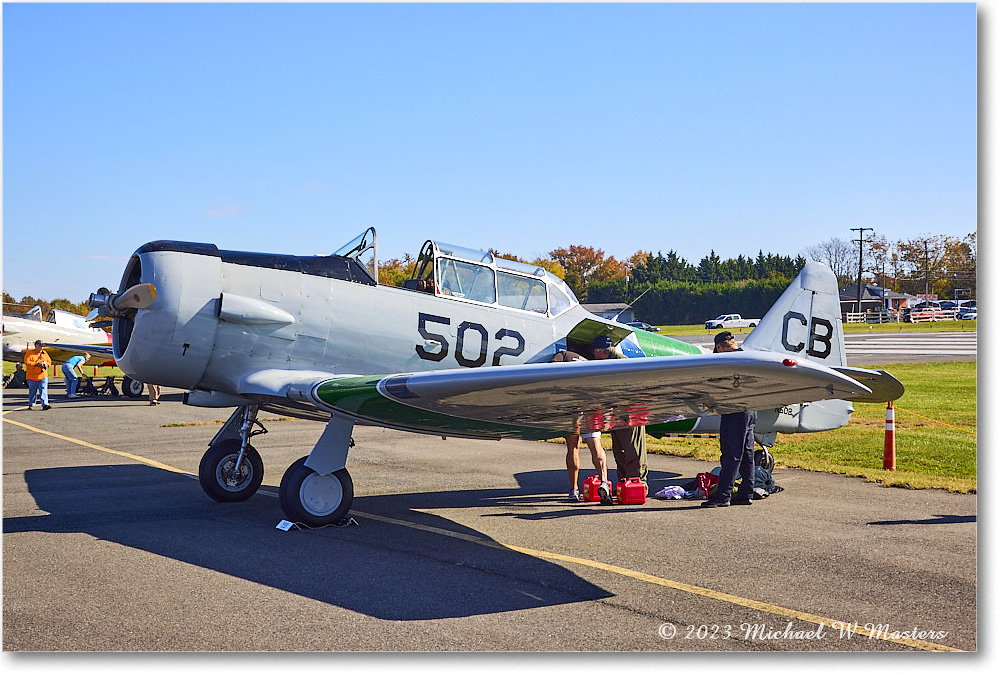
(232, 470)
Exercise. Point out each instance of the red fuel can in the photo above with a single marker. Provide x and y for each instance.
(631, 491)
(590, 487)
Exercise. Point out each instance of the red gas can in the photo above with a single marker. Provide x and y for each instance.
(631, 491)
(590, 487)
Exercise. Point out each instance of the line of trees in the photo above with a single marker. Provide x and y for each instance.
(669, 289)
(13, 306)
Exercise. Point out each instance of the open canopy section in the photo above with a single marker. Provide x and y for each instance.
(364, 249)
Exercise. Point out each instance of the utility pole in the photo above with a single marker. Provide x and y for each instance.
(861, 256)
(927, 274)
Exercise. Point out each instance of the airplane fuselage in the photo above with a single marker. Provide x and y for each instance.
(250, 312)
(464, 348)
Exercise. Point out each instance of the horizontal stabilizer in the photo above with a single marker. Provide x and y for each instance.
(884, 386)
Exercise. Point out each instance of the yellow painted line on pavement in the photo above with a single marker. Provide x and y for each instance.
(128, 455)
(878, 633)
(875, 633)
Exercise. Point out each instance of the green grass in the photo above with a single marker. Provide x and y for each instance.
(935, 434)
(57, 373)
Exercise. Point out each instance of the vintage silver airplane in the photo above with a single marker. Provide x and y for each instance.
(64, 334)
(462, 349)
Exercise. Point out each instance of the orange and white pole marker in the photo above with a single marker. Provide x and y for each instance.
(889, 455)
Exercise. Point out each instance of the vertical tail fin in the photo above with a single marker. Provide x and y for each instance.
(805, 324)
(805, 321)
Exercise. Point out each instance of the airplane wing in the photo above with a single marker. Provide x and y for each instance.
(97, 350)
(60, 352)
(544, 400)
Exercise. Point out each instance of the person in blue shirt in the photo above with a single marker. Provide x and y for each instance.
(69, 370)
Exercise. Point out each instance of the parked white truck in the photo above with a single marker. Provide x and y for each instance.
(731, 321)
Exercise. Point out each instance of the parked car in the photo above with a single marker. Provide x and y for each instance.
(731, 321)
(880, 316)
(924, 312)
(966, 314)
(643, 325)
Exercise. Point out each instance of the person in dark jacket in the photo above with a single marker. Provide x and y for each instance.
(736, 442)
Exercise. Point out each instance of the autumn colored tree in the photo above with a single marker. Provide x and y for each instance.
(394, 272)
(585, 264)
(24, 304)
(938, 264)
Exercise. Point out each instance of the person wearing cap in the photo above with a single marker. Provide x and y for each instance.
(593, 441)
(628, 444)
(736, 442)
(37, 363)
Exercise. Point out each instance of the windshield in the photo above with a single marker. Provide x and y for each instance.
(364, 249)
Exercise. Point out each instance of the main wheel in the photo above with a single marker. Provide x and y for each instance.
(307, 497)
(222, 480)
(132, 388)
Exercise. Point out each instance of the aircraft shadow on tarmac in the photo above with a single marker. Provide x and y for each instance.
(378, 569)
(936, 520)
(535, 488)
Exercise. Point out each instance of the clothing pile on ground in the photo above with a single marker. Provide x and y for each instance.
(703, 486)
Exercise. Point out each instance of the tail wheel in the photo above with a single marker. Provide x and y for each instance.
(315, 500)
(764, 459)
(222, 480)
(132, 388)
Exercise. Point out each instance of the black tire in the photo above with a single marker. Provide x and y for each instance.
(752, 326)
(132, 388)
(306, 497)
(216, 477)
(764, 459)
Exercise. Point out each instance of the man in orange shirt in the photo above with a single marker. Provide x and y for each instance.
(37, 363)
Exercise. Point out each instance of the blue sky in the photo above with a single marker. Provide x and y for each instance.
(291, 128)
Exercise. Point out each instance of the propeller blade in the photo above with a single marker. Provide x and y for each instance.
(139, 296)
(92, 315)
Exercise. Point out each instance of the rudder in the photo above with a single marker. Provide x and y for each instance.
(805, 320)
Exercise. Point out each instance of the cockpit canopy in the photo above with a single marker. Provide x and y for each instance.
(479, 276)
(473, 276)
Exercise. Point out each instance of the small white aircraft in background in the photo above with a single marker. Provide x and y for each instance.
(462, 349)
(63, 334)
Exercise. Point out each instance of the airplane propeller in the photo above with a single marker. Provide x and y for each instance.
(108, 304)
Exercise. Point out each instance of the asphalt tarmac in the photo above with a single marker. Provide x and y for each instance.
(109, 544)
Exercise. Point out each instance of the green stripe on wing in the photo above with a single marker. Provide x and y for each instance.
(359, 397)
